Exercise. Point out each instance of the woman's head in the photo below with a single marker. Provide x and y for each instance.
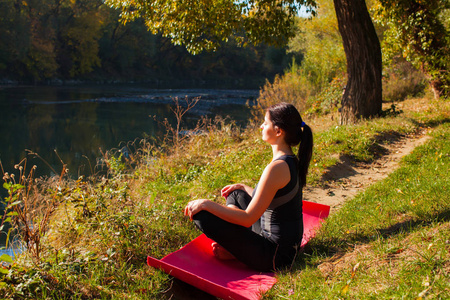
(287, 118)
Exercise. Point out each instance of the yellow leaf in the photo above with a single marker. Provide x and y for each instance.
(345, 289)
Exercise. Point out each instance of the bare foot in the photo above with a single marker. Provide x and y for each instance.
(221, 253)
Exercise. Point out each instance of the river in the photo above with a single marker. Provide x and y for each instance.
(74, 124)
(70, 124)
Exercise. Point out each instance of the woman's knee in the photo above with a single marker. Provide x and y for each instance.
(239, 198)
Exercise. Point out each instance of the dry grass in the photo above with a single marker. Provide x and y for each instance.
(377, 267)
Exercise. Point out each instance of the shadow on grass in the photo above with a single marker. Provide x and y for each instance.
(410, 225)
(343, 169)
(180, 290)
(339, 246)
(430, 123)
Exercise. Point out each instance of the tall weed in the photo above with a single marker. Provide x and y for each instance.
(30, 204)
(292, 87)
(402, 80)
(175, 134)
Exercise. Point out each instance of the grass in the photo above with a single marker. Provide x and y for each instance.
(391, 241)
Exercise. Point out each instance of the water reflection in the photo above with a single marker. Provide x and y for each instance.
(79, 121)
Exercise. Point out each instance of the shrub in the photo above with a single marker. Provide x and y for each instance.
(402, 80)
(292, 87)
(328, 99)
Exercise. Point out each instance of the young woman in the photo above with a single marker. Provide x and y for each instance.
(263, 226)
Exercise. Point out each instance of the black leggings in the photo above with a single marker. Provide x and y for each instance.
(246, 244)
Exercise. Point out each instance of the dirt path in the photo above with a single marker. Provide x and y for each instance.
(347, 179)
(344, 181)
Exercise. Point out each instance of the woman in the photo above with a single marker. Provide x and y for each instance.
(263, 227)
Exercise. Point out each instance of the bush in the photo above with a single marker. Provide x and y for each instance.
(292, 87)
(402, 80)
(297, 87)
(328, 99)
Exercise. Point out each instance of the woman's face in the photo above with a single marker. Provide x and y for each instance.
(269, 132)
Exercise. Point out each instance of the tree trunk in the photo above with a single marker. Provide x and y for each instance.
(362, 97)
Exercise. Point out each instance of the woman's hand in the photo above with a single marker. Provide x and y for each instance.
(194, 207)
(229, 188)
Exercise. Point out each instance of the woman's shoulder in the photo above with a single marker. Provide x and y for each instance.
(287, 159)
(277, 173)
(277, 166)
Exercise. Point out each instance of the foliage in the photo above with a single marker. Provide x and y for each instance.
(328, 99)
(315, 83)
(175, 135)
(320, 42)
(48, 40)
(402, 80)
(47, 34)
(292, 87)
(28, 207)
(203, 25)
(416, 30)
(80, 28)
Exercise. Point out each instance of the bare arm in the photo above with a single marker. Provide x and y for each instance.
(275, 176)
(238, 186)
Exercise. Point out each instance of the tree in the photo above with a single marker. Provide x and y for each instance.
(28, 39)
(44, 39)
(203, 24)
(14, 36)
(363, 94)
(79, 27)
(419, 30)
(320, 43)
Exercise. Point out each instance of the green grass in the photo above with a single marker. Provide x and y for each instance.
(391, 241)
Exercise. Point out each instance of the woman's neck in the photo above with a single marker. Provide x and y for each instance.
(280, 150)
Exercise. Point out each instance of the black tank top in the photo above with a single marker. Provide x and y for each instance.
(282, 222)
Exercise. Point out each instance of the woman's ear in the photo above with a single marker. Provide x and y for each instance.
(278, 131)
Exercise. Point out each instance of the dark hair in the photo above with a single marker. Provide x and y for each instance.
(286, 117)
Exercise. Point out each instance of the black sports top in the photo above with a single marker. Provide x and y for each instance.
(282, 222)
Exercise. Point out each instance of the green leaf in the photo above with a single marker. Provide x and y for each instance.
(4, 271)
(6, 258)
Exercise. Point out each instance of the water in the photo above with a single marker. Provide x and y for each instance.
(74, 124)
(13, 252)
(79, 122)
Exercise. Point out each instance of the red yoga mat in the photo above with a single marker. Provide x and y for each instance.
(196, 264)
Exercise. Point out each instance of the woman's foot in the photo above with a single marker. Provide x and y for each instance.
(221, 253)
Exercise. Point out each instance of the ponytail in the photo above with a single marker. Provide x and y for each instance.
(304, 153)
(287, 117)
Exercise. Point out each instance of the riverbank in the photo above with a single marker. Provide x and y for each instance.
(77, 121)
(101, 231)
(155, 83)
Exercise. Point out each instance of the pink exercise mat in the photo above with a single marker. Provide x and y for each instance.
(196, 264)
